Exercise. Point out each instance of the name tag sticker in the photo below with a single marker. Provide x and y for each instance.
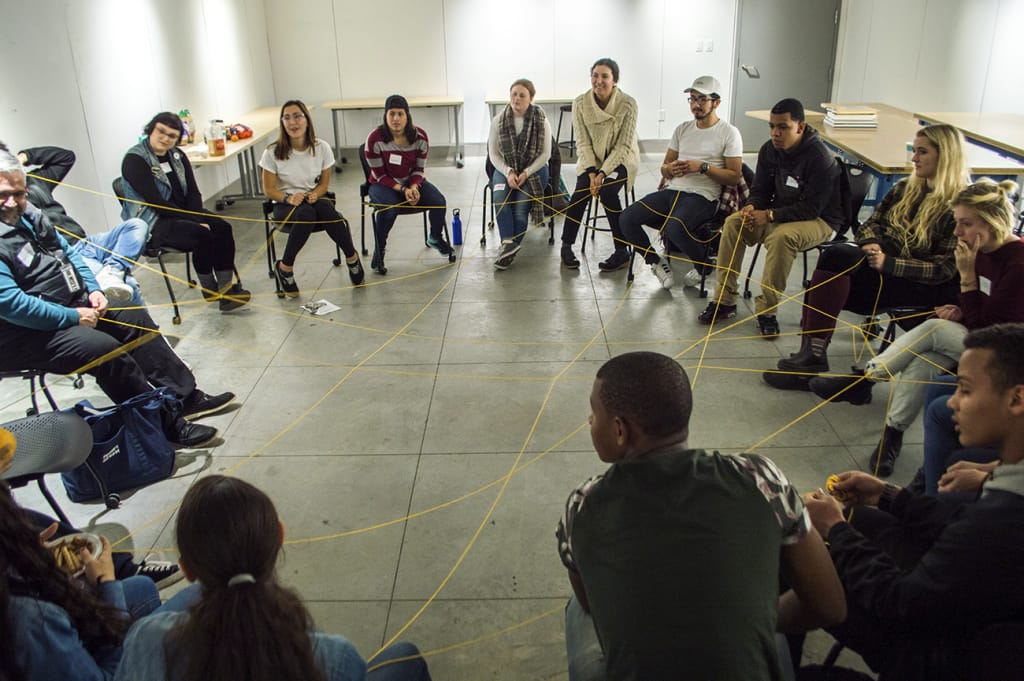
(791, 182)
(68, 271)
(499, 187)
(395, 159)
(26, 255)
(166, 167)
(985, 285)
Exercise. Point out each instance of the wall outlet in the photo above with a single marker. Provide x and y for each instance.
(661, 115)
(709, 45)
(700, 45)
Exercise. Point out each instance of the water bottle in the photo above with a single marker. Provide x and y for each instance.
(456, 228)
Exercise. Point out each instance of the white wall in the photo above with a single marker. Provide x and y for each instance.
(931, 55)
(327, 49)
(88, 75)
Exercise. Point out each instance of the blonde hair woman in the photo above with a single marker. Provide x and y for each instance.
(902, 255)
(990, 261)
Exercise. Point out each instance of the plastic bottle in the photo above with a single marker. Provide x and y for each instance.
(215, 137)
(456, 228)
(190, 127)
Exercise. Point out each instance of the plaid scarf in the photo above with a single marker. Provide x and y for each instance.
(519, 151)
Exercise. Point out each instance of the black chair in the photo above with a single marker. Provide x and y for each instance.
(271, 227)
(854, 183)
(554, 175)
(32, 375)
(52, 442)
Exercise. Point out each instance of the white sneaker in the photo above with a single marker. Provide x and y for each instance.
(111, 281)
(692, 279)
(663, 271)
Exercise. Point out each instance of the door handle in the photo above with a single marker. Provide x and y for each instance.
(750, 70)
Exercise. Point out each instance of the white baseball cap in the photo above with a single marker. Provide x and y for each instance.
(706, 85)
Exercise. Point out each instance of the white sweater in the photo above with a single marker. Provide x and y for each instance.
(606, 138)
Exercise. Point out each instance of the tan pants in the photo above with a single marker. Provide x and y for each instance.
(782, 242)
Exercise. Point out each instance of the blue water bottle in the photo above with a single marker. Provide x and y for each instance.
(456, 228)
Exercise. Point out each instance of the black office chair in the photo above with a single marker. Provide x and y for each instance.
(364, 203)
(554, 176)
(571, 144)
(271, 227)
(52, 442)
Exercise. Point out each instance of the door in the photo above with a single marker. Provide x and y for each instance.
(785, 48)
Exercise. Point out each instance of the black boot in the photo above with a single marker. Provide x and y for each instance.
(811, 359)
(855, 388)
(883, 456)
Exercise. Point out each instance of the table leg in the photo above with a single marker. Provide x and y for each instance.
(337, 141)
(460, 160)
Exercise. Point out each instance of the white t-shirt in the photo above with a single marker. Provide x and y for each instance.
(302, 169)
(713, 145)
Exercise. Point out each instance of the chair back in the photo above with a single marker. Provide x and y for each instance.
(52, 442)
(118, 186)
(854, 183)
(363, 162)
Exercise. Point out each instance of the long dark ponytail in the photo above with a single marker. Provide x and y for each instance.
(254, 629)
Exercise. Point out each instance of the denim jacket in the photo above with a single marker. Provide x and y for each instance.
(47, 646)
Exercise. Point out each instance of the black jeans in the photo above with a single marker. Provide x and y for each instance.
(307, 218)
(212, 249)
(121, 375)
(609, 196)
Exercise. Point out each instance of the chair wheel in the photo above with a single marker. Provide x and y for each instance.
(78, 383)
(490, 225)
(451, 257)
(747, 295)
(31, 411)
(337, 262)
(280, 294)
(483, 241)
(176, 319)
(221, 205)
(112, 500)
(337, 169)
(551, 240)
(270, 274)
(702, 294)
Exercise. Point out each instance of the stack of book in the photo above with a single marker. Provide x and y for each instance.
(840, 116)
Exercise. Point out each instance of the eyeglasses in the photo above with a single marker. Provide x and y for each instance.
(699, 100)
(293, 117)
(7, 196)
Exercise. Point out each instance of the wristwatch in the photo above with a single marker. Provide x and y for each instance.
(704, 168)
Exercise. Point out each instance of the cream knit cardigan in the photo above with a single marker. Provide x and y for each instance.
(606, 138)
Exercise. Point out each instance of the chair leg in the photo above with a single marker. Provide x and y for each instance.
(188, 270)
(46, 392)
(629, 272)
(57, 510)
(483, 214)
(362, 228)
(750, 271)
(170, 291)
(806, 280)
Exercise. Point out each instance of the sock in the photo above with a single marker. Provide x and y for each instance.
(225, 279)
(209, 283)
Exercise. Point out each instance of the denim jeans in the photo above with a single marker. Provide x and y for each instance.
(122, 245)
(384, 198)
(140, 596)
(513, 206)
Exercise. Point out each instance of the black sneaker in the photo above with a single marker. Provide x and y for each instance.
(199, 404)
(163, 572)
(716, 312)
(569, 258)
(616, 261)
(377, 262)
(508, 252)
(439, 244)
(190, 435)
(286, 280)
(234, 298)
(854, 389)
(356, 272)
(768, 325)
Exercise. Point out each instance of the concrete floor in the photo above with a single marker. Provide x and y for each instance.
(421, 441)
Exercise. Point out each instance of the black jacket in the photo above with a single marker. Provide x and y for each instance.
(54, 164)
(920, 620)
(802, 184)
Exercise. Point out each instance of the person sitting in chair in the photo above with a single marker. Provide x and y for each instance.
(54, 317)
